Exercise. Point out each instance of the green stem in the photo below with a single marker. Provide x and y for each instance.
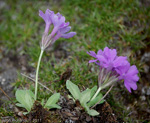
(37, 73)
(103, 97)
(99, 89)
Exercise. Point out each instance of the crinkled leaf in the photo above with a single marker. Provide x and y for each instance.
(93, 112)
(53, 99)
(54, 106)
(93, 90)
(25, 99)
(85, 96)
(74, 90)
(95, 100)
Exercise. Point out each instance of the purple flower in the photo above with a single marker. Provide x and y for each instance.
(108, 58)
(130, 76)
(117, 68)
(60, 28)
(62, 32)
(93, 54)
(59, 22)
(47, 18)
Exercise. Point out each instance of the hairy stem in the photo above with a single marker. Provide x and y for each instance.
(103, 96)
(37, 73)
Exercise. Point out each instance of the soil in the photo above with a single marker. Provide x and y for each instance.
(39, 114)
(71, 112)
(10, 65)
(74, 113)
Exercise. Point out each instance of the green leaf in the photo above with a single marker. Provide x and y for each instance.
(52, 100)
(94, 101)
(42, 102)
(93, 112)
(85, 96)
(74, 90)
(54, 106)
(93, 90)
(31, 94)
(25, 99)
(86, 107)
(25, 113)
(85, 91)
(19, 105)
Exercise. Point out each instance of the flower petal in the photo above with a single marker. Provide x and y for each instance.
(91, 61)
(92, 53)
(120, 61)
(101, 58)
(133, 70)
(127, 86)
(65, 29)
(47, 18)
(100, 52)
(110, 54)
(68, 35)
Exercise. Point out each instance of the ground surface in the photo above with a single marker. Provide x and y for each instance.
(124, 25)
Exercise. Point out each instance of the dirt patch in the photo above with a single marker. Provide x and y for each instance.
(10, 65)
(73, 112)
(8, 74)
(39, 114)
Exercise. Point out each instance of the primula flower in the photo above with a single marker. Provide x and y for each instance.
(46, 18)
(114, 68)
(93, 54)
(129, 75)
(108, 58)
(60, 28)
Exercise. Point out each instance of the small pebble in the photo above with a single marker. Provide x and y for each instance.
(11, 106)
(142, 98)
(146, 68)
(69, 121)
(143, 90)
(148, 91)
(23, 68)
(20, 114)
(3, 81)
(128, 108)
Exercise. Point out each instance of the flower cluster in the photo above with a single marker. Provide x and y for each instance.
(119, 65)
(60, 28)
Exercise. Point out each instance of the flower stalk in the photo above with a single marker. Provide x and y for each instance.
(61, 29)
(37, 73)
(103, 96)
